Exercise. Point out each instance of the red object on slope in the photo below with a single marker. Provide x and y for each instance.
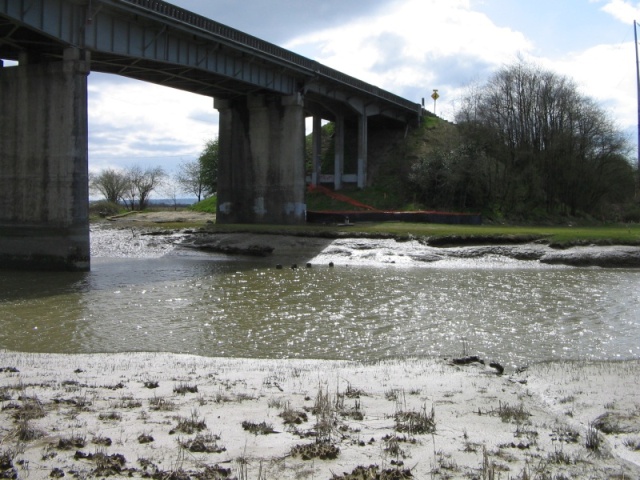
(342, 198)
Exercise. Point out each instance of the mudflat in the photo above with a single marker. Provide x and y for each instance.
(153, 415)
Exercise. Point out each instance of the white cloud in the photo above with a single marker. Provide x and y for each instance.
(606, 73)
(622, 10)
(135, 123)
(403, 48)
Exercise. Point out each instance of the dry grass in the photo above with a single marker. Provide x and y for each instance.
(415, 422)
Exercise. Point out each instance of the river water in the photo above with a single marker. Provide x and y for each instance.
(143, 294)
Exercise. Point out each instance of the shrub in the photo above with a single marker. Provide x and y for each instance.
(103, 209)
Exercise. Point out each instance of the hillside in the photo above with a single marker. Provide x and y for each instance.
(390, 159)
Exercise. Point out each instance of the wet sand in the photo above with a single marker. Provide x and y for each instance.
(178, 416)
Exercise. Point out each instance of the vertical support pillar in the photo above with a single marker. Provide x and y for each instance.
(339, 154)
(261, 160)
(44, 192)
(316, 150)
(229, 148)
(362, 150)
(289, 158)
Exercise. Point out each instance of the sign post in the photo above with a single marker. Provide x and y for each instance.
(435, 97)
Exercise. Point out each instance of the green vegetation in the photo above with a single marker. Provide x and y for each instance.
(527, 147)
(208, 161)
(376, 196)
(458, 234)
(104, 208)
(208, 205)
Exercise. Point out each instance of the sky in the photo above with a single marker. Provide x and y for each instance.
(408, 47)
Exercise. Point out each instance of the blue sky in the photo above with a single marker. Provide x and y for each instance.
(409, 47)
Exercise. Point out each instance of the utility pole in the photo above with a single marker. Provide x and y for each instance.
(635, 36)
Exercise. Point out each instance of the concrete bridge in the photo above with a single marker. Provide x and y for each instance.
(262, 92)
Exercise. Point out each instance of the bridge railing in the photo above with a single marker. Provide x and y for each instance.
(228, 33)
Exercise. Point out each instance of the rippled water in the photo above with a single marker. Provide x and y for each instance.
(210, 305)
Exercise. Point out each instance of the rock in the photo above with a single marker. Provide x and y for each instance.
(616, 422)
(467, 360)
(499, 368)
(251, 250)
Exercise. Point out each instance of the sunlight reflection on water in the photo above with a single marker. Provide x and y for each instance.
(208, 305)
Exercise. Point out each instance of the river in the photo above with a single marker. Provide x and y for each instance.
(145, 294)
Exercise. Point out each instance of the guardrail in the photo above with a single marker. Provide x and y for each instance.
(211, 26)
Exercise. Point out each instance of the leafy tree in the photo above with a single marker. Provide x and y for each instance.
(140, 185)
(191, 178)
(208, 162)
(110, 183)
(453, 176)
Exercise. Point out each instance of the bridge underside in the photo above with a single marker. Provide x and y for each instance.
(44, 221)
(262, 92)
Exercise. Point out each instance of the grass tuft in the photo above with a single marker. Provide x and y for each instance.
(190, 425)
(183, 388)
(262, 428)
(510, 413)
(416, 422)
(592, 438)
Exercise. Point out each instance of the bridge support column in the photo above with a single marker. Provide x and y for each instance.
(261, 160)
(44, 198)
(363, 140)
(339, 153)
(316, 151)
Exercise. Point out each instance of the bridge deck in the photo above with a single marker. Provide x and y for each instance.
(156, 41)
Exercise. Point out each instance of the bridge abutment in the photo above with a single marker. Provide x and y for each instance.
(261, 160)
(44, 217)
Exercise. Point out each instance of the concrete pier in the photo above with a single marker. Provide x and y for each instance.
(261, 160)
(44, 220)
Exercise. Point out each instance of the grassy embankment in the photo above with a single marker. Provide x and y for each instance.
(439, 233)
(457, 234)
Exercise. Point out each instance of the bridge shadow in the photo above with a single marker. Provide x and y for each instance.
(261, 249)
(201, 258)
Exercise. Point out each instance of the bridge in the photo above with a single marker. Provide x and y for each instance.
(263, 94)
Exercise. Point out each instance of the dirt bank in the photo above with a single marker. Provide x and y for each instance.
(151, 218)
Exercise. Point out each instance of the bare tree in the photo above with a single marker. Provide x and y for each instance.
(111, 183)
(141, 183)
(171, 190)
(191, 178)
(551, 147)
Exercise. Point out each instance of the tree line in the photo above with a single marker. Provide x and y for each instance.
(528, 141)
(134, 185)
(527, 144)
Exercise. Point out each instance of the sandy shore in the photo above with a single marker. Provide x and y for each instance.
(177, 416)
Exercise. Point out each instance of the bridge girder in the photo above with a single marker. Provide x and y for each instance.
(154, 41)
